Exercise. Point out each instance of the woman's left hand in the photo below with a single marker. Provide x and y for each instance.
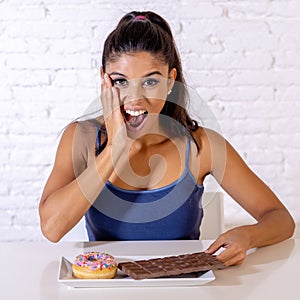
(235, 242)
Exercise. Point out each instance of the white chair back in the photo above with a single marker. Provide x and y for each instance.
(213, 220)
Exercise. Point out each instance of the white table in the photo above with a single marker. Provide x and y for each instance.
(30, 271)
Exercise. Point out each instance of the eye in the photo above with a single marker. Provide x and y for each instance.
(120, 82)
(150, 82)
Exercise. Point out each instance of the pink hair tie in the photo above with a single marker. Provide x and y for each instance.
(140, 17)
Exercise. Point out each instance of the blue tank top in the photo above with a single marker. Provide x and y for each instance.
(168, 213)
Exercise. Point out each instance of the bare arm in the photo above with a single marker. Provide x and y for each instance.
(65, 198)
(274, 222)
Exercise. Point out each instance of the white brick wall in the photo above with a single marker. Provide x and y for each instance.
(243, 57)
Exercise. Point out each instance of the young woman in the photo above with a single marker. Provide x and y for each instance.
(137, 171)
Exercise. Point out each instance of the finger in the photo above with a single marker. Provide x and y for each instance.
(112, 112)
(231, 255)
(106, 95)
(110, 93)
(234, 260)
(107, 81)
(216, 245)
(226, 254)
(116, 102)
(106, 99)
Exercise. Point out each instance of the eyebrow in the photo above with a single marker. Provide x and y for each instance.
(146, 75)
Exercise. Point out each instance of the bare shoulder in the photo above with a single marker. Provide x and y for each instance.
(212, 151)
(76, 144)
(208, 136)
(64, 154)
(210, 142)
(68, 132)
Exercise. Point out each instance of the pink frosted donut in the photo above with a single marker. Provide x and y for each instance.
(94, 265)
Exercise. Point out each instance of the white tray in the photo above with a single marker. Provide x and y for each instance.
(65, 276)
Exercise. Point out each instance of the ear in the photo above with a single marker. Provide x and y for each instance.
(101, 73)
(172, 78)
(173, 74)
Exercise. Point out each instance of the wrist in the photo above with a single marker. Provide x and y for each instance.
(249, 233)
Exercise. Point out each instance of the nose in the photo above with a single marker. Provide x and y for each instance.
(133, 93)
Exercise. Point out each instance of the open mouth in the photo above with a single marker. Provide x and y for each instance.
(135, 118)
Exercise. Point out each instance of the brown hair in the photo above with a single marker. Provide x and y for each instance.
(147, 31)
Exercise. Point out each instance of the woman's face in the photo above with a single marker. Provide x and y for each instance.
(143, 82)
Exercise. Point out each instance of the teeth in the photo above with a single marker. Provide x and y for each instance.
(135, 113)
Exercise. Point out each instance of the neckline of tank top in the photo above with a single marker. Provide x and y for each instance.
(186, 172)
(168, 186)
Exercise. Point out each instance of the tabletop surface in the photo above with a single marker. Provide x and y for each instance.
(30, 271)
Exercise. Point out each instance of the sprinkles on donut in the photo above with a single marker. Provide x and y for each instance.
(94, 265)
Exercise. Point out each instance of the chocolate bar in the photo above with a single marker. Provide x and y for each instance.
(171, 265)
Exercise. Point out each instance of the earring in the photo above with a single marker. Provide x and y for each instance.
(169, 92)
